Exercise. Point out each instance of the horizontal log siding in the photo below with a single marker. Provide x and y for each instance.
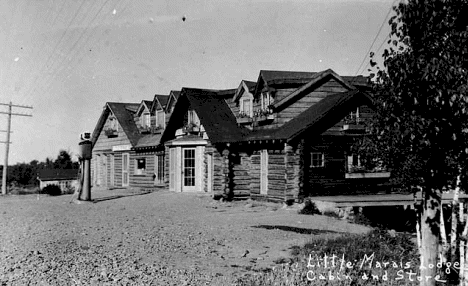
(103, 143)
(303, 103)
(276, 179)
(146, 179)
(255, 173)
(241, 176)
(330, 180)
(218, 172)
(118, 169)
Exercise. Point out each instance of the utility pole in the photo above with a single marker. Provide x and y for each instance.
(7, 142)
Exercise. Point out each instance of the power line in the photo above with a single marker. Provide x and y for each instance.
(77, 53)
(7, 141)
(375, 39)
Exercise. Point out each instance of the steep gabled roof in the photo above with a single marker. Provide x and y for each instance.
(57, 174)
(148, 140)
(316, 79)
(124, 115)
(213, 111)
(270, 77)
(173, 97)
(316, 119)
(323, 115)
(143, 104)
(245, 84)
(159, 100)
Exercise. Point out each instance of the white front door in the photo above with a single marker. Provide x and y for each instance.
(125, 169)
(188, 170)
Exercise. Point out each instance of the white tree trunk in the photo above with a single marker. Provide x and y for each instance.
(443, 247)
(430, 230)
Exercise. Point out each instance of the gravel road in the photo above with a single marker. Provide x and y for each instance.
(127, 237)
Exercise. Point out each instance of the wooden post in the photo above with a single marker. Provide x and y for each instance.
(227, 193)
(291, 173)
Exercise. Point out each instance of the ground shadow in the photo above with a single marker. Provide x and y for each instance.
(296, 229)
(98, 200)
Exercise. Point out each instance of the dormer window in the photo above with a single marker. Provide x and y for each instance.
(145, 120)
(113, 124)
(353, 116)
(265, 100)
(160, 119)
(246, 107)
(193, 118)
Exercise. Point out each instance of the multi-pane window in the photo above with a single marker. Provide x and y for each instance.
(317, 160)
(266, 100)
(140, 166)
(193, 117)
(189, 167)
(354, 115)
(160, 120)
(145, 120)
(159, 169)
(246, 106)
(113, 124)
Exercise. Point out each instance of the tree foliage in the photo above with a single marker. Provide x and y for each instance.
(420, 129)
(25, 174)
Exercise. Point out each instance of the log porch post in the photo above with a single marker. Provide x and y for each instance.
(226, 167)
(291, 175)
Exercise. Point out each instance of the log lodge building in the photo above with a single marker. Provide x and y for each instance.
(284, 137)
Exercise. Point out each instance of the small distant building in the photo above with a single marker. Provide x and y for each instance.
(64, 178)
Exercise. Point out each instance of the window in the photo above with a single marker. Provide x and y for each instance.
(159, 169)
(113, 124)
(354, 116)
(160, 118)
(317, 160)
(193, 117)
(354, 162)
(140, 166)
(145, 120)
(246, 106)
(266, 100)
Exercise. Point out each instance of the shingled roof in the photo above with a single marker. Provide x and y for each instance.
(123, 112)
(316, 119)
(161, 99)
(214, 113)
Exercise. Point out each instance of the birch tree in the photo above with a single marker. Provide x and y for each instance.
(420, 130)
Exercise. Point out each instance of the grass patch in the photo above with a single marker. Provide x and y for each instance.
(376, 258)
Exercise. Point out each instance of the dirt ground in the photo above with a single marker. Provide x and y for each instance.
(126, 237)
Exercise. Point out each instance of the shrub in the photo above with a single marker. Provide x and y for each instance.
(52, 190)
(383, 247)
(309, 208)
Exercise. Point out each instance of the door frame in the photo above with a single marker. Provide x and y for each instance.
(125, 171)
(176, 164)
(184, 169)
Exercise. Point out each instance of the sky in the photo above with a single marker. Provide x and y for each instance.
(67, 58)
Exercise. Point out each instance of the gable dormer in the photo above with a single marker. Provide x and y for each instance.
(143, 116)
(243, 100)
(111, 127)
(158, 110)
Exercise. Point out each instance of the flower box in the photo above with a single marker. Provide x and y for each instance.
(354, 127)
(266, 117)
(244, 120)
(365, 175)
(110, 133)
